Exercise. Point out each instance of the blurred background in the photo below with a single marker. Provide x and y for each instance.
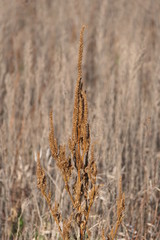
(39, 43)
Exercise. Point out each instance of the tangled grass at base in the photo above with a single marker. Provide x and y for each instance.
(80, 160)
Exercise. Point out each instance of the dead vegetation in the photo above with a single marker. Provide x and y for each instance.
(38, 69)
(83, 189)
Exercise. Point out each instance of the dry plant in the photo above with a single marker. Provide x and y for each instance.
(83, 189)
(121, 73)
(120, 210)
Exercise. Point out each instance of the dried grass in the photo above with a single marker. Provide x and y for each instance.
(38, 68)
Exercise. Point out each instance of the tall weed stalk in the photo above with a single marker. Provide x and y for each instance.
(80, 160)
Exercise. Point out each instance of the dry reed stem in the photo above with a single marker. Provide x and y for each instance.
(120, 210)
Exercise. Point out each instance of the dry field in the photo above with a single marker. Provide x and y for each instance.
(39, 43)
